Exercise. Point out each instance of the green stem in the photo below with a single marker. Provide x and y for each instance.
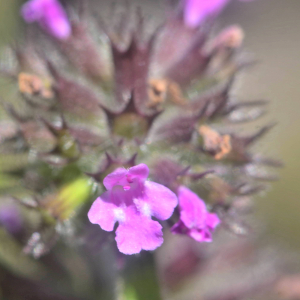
(140, 278)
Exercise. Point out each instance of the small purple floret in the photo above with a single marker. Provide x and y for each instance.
(196, 11)
(131, 201)
(11, 218)
(194, 220)
(50, 15)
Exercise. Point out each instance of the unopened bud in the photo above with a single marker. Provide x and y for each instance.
(231, 37)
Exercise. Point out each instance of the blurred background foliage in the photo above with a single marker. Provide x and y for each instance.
(272, 34)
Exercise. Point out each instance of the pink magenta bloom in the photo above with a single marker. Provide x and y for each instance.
(131, 201)
(50, 15)
(196, 11)
(194, 220)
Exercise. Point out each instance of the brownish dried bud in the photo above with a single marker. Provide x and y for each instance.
(161, 90)
(219, 146)
(157, 92)
(33, 85)
(175, 93)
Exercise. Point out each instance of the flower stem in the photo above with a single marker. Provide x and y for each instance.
(140, 278)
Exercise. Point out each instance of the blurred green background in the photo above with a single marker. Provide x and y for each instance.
(272, 35)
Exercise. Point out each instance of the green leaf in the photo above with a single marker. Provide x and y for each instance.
(70, 197)
(140, 278)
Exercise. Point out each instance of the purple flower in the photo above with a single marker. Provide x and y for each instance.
(10, 218)
(196, 11)
(50, 15)
(194, 220)
(132, 201)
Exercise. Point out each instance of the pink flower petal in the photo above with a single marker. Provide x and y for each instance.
(103, 212)
(197, 235)
(212, 220)
(179, 228)
(194, 219)
(32, 11)
(138, 232)
(124, 177)
(200, 235)
(193, 209)
(50, 15)
(196, 11)
(140, 171)
(117, 177)
(160, 201)
(55, 21)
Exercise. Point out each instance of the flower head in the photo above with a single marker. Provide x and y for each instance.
(196, 11)
(50, 15)
(194, 221)
(131, 201)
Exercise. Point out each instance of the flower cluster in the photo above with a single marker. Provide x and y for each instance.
(131, 201)
(132, 100)
(140, 119)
